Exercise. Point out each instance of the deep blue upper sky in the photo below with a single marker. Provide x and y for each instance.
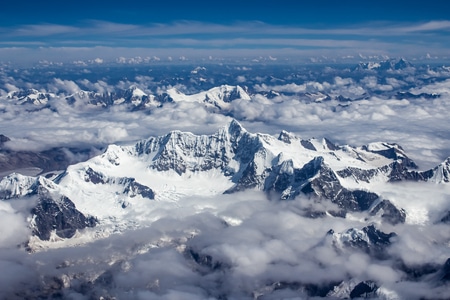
(281, 26)
(291, 12)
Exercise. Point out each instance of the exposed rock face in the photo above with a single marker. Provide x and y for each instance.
(327, 185)
(58, 215)
(399, 171)
(389, 212)
(3, 139)
(368, 239)
(53, 212)
(130, 186)
(364, 289)
(445, 271)
(446, 217)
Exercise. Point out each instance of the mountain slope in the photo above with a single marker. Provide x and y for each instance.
(217, 97)
(232, 160)
(125, 180)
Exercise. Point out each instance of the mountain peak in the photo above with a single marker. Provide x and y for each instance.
(235, 127)
(286, 137)
(442, 172)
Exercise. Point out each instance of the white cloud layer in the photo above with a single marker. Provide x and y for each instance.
(269, 243)
(419, 125)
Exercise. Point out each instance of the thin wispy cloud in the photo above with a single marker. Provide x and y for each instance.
(43, 30)
(383, 36)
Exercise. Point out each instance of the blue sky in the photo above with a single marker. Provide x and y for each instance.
(232, 27)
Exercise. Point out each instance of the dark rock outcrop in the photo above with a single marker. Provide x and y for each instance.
(57, 214)
(368, 239)
(389, 212)
(131, 187)
(364, 289)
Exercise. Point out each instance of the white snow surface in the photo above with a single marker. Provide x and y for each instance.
(216, 97)
(187, 191)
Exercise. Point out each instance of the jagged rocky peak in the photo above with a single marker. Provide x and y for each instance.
(214, 98)
(4, 139)
(441, 173)
(389, 150)
(285, 167)
(132, 95)
(184, 151)
(136, 91)
(16, 185)
(386, 65)
(364, 289)
(234, 130)
(53, 212)
(319, 144)
(57, 214)
(30, 96)
(401, 64)
(25, 93)
(310, 144)
(286, 137)
(260, 161)
(129, 185)
(83, 94)
(388, 212)
(227, 93)
(368, 239)
(445, 271)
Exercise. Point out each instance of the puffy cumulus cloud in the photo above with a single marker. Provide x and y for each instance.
(109, 134)
(442, 87)
(371, 82)
(310, 86)
(394, 82)
(10, 87)
(13, 226)
(339, 81)
(241, 79)
(61, 85)
(382, 273)
(99, 87)
(145, 81)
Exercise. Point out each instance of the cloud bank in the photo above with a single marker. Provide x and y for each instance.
(202, 39)
(346, 108)
(239, 246)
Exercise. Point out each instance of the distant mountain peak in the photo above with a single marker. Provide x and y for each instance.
(393, 64)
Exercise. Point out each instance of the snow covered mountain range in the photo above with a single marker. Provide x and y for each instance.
(217, 97)
(229, 161)
(124, 188)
